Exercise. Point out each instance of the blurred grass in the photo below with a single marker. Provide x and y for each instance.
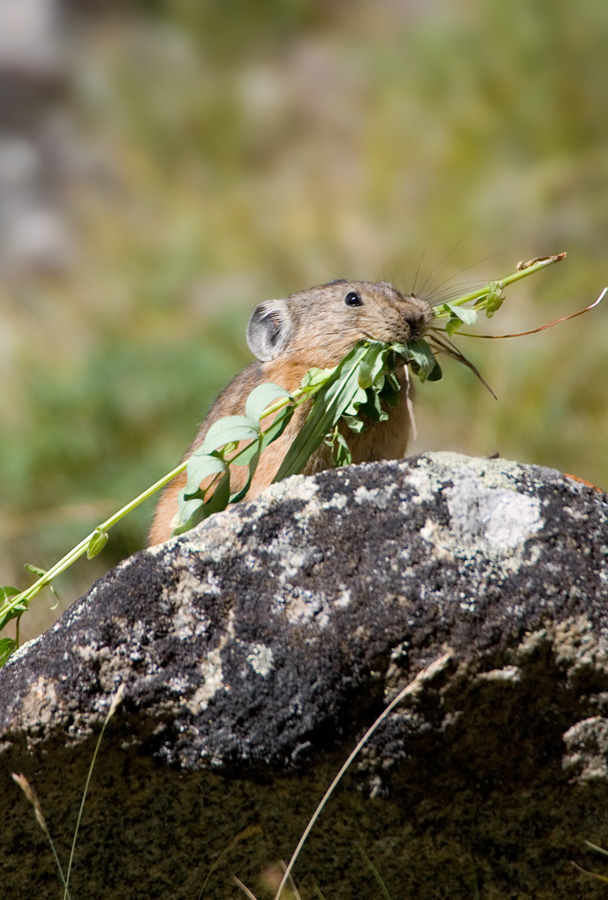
(251, 151)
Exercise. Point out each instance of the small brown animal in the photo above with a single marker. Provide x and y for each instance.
(312, 328)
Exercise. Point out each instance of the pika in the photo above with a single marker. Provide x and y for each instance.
(313, 328)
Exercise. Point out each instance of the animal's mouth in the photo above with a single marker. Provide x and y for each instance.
(418, 317)
(416, 330)
(418, 326)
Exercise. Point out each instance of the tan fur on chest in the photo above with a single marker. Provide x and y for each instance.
(312, 328)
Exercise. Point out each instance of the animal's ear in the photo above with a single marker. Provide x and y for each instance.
(270, 329)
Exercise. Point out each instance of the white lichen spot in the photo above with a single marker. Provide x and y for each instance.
(299, 487)
(23, 650)
(468, 604)
(212, 681)
(429, 476)
(577, 646)
(488, 516)
(507, 673)
(338, 501)
(188, 622)
(343, 600)
(374, 496)
(436, 536)
(578, 515)
(39, 705)
(292, 562)
(261, 659)
(303, 607)
(504, 518)
(87, 652)
(422, 483)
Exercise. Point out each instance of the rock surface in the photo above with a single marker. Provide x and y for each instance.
(256, 651)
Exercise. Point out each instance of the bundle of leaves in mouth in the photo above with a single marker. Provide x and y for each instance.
(359, 390)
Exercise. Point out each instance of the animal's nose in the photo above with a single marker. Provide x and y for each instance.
(416, 322)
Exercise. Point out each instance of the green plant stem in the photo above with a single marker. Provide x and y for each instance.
(501, 284)
(81, 548)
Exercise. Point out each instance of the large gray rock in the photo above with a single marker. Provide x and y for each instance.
(256, 650)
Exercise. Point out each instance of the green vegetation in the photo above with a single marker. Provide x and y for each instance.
(247, 154)
(358, 389)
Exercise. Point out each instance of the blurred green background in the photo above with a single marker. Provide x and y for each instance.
(195, 158)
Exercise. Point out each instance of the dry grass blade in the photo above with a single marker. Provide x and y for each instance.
(244, 888)
(424, 675)
(445, 345)
(292, 883)
(597, 848)
(374, 872)
(113, 707)
(241, 836)
(588, 873)
(32, 796)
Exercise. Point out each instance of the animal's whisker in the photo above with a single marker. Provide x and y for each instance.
(441, 262)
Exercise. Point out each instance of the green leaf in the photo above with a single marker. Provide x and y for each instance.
(391, 390)
(494, 298)
(200, 466)
(192, 506)
(315, 377)
(251, 454)
(189, 514)
(261, 397)
(55, 595)
(423, 361)
(12, 609)
(340, 451)
(220, 497)
(372, 409)
(191, 500)
(359, 397)
(373, 364)
(453, 325)
(468, 316)
(193, 509)
(400, 350)
(34, 570)
(6, 592)
(7, 647)
(435, 374)
(328, 406)
(354, 423)
(270, 434)
(228, 430)
(97, 543)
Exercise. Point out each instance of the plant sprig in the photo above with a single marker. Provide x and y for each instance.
(490, 298)
(362, 382)
(359, 389)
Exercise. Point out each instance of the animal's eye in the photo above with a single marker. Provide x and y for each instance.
(353, 299)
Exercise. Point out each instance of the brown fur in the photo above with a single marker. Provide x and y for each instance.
(322, 330)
